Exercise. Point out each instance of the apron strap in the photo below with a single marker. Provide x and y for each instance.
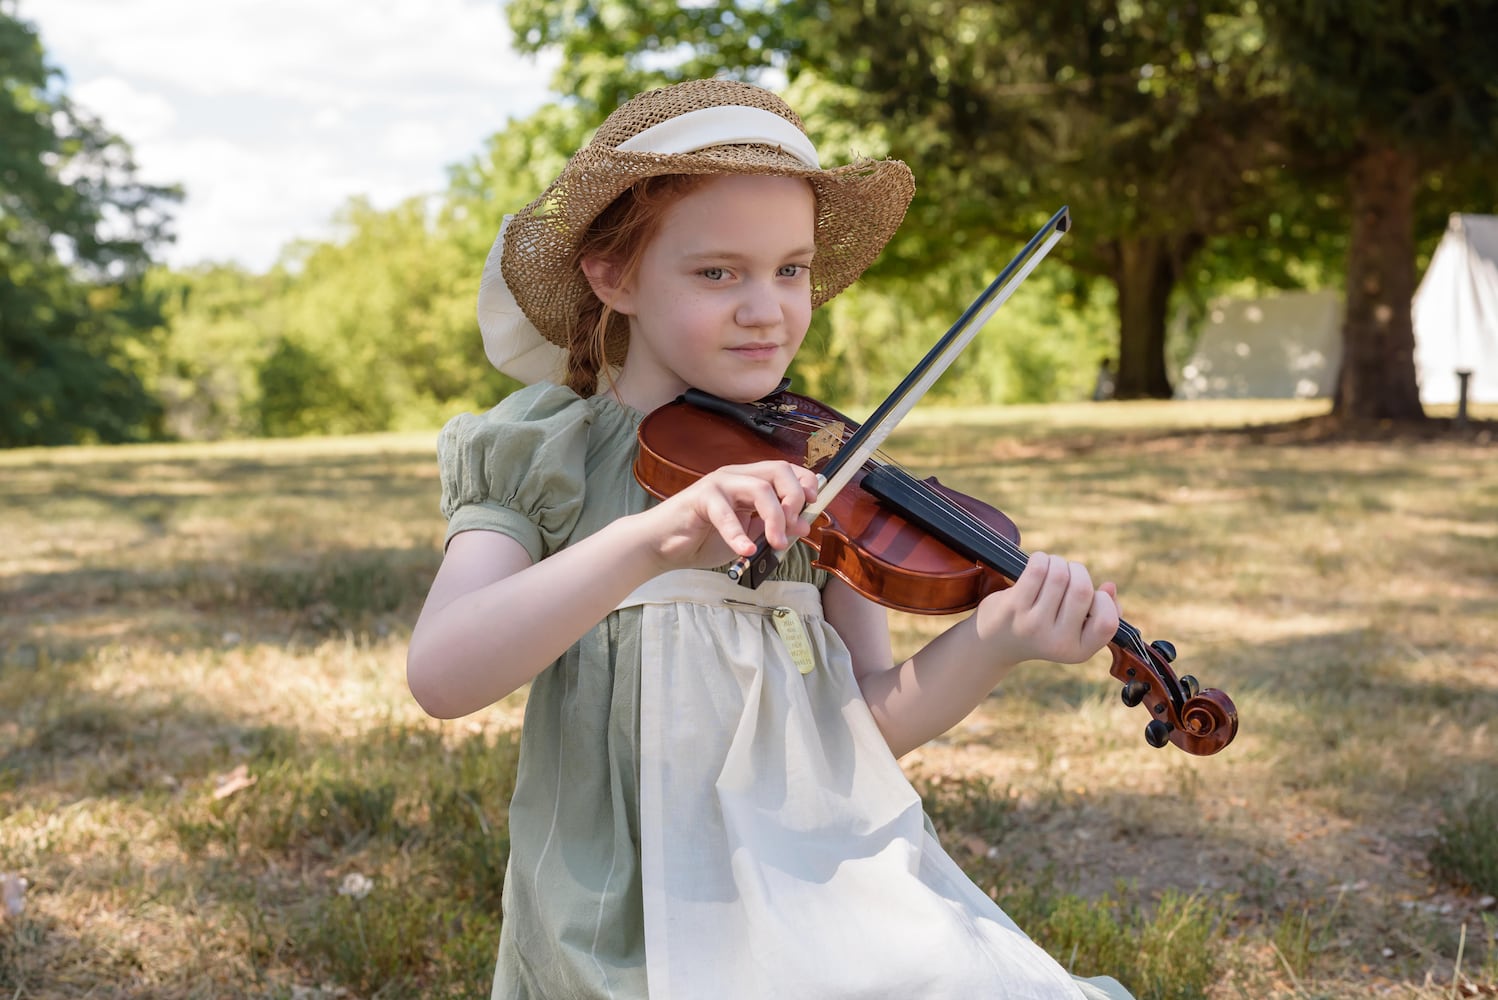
(704, 586)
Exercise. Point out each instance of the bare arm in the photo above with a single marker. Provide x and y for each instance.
(1051, 613)
(493, 619)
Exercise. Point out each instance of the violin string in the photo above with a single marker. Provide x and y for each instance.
(1132, 637)
(950, 507)
(799, 420)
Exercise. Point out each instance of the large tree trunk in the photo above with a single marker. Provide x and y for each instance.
(1144, 269)
(1377, 379)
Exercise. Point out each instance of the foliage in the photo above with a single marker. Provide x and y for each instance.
(219, 324)
(1418, 72)
(378, 316)
(1466, 847)
(373, 330)
(77, 228)
(1043, 345)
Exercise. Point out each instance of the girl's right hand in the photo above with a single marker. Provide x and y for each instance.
(721, 515)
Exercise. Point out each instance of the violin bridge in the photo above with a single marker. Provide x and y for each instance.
(824, 443)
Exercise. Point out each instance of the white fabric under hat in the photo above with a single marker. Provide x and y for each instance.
(511, 342)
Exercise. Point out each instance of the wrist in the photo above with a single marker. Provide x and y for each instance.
(646, 546)
(995, 649)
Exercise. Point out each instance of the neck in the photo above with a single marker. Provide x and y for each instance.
(639, 392)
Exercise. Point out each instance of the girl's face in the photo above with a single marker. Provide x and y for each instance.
(722, 296)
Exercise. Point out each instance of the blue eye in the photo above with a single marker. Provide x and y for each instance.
(713, 273)
(793, 270)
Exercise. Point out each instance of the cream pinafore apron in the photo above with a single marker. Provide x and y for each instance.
(783, 851)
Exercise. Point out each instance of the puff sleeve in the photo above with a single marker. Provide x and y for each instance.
(518, 469)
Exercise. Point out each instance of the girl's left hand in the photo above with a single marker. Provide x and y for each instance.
(1052, 612)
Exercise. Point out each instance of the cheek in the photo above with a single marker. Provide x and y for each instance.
(799, 315)
(696, 312)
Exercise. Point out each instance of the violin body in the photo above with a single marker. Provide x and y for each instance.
(908, 544)
(864, 543)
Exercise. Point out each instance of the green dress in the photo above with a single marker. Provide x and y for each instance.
(547, 468)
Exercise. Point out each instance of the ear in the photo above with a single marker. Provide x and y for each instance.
(603, 278)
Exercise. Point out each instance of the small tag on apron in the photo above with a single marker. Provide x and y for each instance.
(797, 642)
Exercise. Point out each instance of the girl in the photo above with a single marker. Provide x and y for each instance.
(708, 801)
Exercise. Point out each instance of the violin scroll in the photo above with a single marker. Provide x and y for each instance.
(1198, 720)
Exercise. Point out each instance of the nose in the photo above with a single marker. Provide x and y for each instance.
(759, 306)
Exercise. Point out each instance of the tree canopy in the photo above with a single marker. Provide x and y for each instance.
(77, 228)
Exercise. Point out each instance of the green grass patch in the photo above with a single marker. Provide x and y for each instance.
(1466, 847)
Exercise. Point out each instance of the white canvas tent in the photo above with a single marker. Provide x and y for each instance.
(1281, 346)
(1456, 313)
(1289, 344)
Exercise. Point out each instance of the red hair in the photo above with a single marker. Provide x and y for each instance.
(618, 237)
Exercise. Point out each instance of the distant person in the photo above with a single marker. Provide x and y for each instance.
(708, 802)
(1106, 382)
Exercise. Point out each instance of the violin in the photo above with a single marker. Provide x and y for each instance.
(909, 544)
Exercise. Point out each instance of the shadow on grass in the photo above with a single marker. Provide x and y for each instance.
(331, 590)
(75, 744)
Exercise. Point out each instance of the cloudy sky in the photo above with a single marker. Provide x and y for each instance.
(273, 113)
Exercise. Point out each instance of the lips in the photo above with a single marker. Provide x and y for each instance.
(756, 350)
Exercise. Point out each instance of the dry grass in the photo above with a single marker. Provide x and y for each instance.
(169, 615)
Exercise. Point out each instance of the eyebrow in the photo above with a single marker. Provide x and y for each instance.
(735, 256)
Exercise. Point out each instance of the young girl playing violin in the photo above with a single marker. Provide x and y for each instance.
(708, 801)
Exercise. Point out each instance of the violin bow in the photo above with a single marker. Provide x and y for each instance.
(751, 571)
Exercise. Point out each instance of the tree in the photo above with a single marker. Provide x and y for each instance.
(221, 323)
(372, 330)
(76, 231)
(1154, 122)
(1386, 93)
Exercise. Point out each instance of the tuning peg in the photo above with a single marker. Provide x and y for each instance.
(1157, 733)
(1133, 692)
(1166, 649)
(1190, 686)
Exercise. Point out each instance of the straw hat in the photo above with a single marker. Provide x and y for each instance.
(532, 285)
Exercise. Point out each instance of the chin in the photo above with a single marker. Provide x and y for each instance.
(749, 391)
(744, 385)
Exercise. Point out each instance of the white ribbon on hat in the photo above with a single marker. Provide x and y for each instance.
(511, 342)
(733, 125)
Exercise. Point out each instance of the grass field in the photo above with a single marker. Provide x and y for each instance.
(214, 783)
